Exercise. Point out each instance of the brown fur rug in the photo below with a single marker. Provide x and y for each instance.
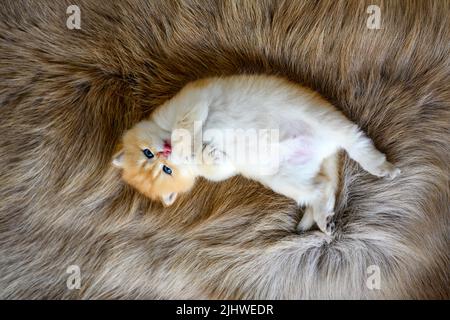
(67, 95)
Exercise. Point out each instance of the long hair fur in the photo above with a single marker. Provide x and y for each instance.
(67, 95)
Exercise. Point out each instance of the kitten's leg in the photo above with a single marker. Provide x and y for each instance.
(214, 165)
(330, 169)
(359, 147)
(198, 113)
(187, 130)
(321, 208)
(307, 220)
(181, 112)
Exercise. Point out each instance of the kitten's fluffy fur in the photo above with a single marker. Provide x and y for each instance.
(311, 133)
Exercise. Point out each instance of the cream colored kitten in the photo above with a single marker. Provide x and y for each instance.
(205, 120)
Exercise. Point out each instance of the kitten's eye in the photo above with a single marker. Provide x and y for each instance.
(167, 170)
(148, 153)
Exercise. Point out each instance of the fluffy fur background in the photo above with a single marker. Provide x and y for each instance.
(67, 95)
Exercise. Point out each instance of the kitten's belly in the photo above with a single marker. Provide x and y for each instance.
(262, 147)
(300, 152)
(297, 151)
(298, 143)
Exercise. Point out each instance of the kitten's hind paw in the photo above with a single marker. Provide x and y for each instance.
(307, 221)
(385, 169)
(388, 170)
(328, 226)
(395, 173)
(331, 227)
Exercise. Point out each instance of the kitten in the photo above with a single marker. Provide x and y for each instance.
(144, 157)
(302, 164)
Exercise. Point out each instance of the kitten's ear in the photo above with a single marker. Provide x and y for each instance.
(169, 199)
(118, 159)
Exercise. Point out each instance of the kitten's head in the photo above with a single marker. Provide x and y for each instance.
(147, 164)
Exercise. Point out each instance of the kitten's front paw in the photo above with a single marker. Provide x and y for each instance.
(211, 154)
(181, 149)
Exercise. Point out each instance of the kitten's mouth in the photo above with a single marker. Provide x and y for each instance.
(167, 149)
